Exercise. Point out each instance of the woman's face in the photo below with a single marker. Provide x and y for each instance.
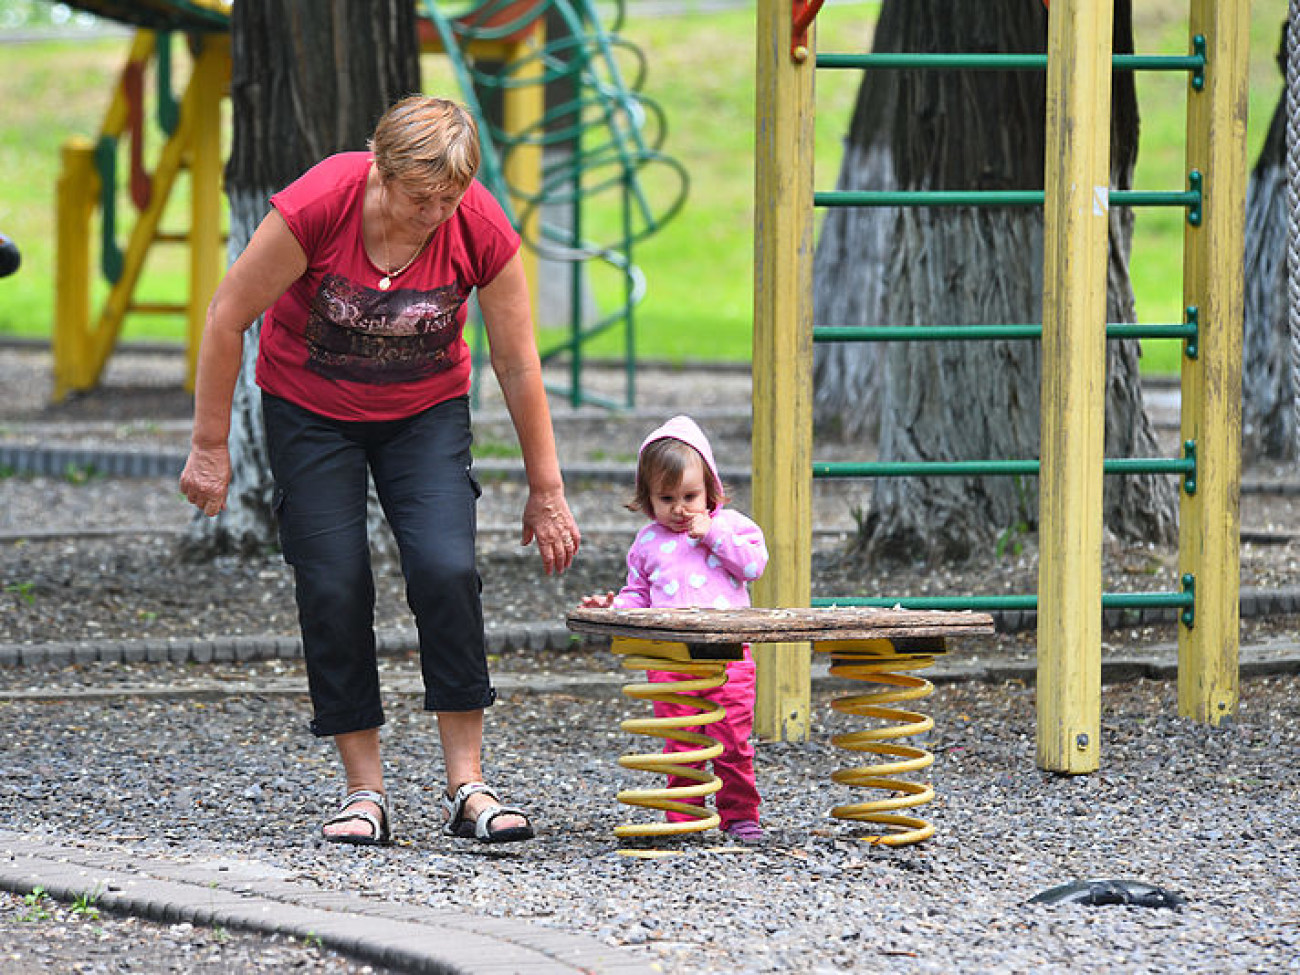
(418, 208)
(675, 506)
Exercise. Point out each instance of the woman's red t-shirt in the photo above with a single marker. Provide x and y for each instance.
(337, 345)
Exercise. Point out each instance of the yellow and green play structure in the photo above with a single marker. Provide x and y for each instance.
(1070, 600)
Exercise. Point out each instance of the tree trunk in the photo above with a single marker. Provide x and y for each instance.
(970, 266)
(852, 254)
(1141, 507)
(1268, 392)
(308, 79)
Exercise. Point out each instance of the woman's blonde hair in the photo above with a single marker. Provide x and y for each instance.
(427, 141)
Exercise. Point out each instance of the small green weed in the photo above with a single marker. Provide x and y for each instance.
(859, 514)
(25, 590)
(36, 903)
(81, 474)
(1011, 540)
(84, 904)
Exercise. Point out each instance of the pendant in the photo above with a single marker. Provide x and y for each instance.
(385, 283)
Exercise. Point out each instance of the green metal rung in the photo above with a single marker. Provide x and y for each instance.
(1120, 600)
(976, 468)
(933, 198)
(1194, 63)
(938, 468)
(960, 333)
(1190, 198)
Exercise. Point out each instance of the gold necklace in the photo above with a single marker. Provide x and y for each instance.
(386, 281)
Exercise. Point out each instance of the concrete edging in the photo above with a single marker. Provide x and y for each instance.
(537, 637)
(244, 896)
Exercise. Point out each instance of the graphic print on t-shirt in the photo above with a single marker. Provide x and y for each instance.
(363, 335)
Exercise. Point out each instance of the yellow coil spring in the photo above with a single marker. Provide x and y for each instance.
(706, 676)
(902, 828)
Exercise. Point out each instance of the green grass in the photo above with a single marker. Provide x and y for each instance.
(52, 91)
(699, 266)
(1157, 262)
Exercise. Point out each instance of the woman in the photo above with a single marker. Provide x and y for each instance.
(363, 268)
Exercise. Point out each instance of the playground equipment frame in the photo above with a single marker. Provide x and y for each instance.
(1076, 200)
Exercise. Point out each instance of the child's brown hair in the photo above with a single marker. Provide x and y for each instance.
(662, 464)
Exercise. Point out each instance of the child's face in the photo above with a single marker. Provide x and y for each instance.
(674, 507)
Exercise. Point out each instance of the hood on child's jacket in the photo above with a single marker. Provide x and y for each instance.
(686, 430)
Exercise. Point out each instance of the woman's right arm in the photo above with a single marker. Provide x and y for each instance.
(270, 263)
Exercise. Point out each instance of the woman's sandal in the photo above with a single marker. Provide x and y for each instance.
(453, 808)
(379, 833)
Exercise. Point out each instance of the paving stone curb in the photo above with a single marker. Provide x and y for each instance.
(50, 461)
(1159, 663)
(58, 461)
(538, 637)
(55, 461)
(251, 897)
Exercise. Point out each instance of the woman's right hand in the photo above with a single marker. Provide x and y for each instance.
(206, 478)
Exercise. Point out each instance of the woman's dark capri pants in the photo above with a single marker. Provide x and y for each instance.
(421, 469)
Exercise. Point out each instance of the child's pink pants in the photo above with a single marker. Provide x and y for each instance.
(738, 798)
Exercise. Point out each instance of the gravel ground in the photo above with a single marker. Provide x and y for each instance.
(1210, 813)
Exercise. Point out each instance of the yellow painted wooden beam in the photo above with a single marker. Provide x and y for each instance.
(782, 361)
(207, 241)
(75, 199)
(1209, 519)
(1074, 373)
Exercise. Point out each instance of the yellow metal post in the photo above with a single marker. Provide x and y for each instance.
(1073, 394)
(211, 72)
(782, 361)
(78, 188)
(1209, 518)
(524, 104)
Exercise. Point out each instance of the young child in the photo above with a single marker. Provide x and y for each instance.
(696, 552)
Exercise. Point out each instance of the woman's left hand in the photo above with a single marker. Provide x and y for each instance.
(548, 520)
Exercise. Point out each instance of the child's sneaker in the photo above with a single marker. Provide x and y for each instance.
(745, 830)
